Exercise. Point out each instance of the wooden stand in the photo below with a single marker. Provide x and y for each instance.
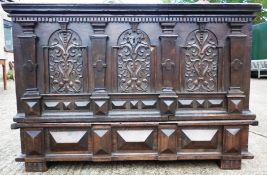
(3, 63)
(117, 82)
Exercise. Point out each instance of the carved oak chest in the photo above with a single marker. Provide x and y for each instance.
(112, 82)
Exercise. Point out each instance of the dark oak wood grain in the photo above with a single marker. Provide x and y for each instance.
(116, 82)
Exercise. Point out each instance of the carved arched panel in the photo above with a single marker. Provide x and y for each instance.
(134, 61)
(201, 61)
(65, 62)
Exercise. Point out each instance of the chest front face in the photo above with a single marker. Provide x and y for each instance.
(127, 82)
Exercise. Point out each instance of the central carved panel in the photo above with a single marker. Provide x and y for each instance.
(201, 59)
(134, 61)
(65, 62)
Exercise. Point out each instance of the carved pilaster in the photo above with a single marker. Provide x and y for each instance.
(31, 96)
(235, 93)
(28, 50)
(100, 97)
(168, 54)
(236, 56)
(99, 48)
(99, 60)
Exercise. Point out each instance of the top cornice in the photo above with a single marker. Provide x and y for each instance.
(130, 9)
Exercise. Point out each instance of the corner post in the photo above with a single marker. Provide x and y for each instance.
(235, 94)
(31, 96)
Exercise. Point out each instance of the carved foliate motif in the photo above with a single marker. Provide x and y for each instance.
(65, 62)
(201, 57)
(134, 61)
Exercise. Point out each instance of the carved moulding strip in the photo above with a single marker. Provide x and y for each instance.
(136, 18)
(201, 59)
(201, 103)
(68, 105)
(65, 61)
(134, 62)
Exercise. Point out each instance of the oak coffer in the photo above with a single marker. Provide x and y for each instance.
(114, 82)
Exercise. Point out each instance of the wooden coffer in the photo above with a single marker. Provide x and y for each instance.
(114, 82)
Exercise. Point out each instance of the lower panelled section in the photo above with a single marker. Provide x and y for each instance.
(133, 141)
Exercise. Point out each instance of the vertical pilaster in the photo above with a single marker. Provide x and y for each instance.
(168, 55)
(235, 93)
(168, 98)
(28, 50)
(99, 49)
(28, 42)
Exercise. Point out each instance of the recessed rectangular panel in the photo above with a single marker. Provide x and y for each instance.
(199, 138)
(135, 139)
(68, 140)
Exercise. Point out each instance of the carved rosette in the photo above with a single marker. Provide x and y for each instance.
(65, 62)
(201, 57)
(134, 61)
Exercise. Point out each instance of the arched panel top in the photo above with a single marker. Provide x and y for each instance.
(64, 38)
(201, 37)
(133, 37)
